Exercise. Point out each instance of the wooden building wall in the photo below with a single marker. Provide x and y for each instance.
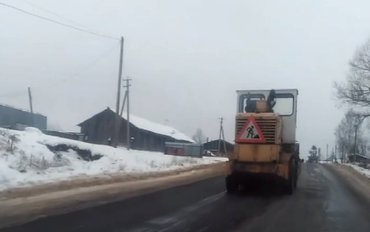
(10, 117)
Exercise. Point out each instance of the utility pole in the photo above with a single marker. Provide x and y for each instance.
(31, 108)
(30, 99)
(117, 121)
(128, 112)
(123, 104)
(221, 137)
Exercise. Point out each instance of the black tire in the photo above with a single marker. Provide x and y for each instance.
(232, 184)
(292, 179)
(296, 173)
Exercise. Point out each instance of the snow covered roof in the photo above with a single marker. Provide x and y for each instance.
(158, 128)
(154, 127)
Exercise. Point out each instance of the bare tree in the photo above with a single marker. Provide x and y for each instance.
(356, 89)
(199, 137)
(349, 136)
(344, 135)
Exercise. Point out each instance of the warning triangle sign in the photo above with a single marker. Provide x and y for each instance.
(250, 133)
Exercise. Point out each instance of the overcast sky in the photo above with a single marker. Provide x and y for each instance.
(186, 58)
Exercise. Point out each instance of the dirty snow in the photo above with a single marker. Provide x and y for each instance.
(363, 171)
(26, 160)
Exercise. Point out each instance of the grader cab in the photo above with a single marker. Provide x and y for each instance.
(265, 139)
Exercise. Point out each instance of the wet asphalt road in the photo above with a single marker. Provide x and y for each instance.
(322, 202)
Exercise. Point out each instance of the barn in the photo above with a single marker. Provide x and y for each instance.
(145, 135)
(358, 158)
(14, 118)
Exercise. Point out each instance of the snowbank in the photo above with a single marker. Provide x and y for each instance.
(363, 171)
(30, 157)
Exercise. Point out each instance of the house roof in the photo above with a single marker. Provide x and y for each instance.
(20, 110)
(150, 126)
(358, 155)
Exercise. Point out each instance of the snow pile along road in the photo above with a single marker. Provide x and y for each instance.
(363, 171)
(29, 157)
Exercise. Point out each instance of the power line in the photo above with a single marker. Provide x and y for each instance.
(76, 74)
(54, 13)
(12, 94)
(57, 22)
(82, 70)
(91, 63)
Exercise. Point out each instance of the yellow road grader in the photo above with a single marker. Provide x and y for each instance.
(265, 138)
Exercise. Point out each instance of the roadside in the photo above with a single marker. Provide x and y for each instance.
(361, 170)
(91, 181)
(42, 175)
(322, 202)
(355, 180)
(72, 197)
(30, 158)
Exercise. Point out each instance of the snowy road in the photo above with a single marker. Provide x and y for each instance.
(323, 202)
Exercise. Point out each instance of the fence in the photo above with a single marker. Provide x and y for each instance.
(183, 149)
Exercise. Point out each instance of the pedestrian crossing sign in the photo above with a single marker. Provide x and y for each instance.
(250, 132)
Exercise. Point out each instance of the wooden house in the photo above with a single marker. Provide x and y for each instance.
(145, 135)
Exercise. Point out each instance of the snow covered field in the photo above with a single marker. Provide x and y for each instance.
(29, 157)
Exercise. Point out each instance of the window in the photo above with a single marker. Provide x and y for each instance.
(284, 104)
(247, 102)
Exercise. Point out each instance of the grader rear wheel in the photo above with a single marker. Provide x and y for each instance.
(232, 184)
(292, 179)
